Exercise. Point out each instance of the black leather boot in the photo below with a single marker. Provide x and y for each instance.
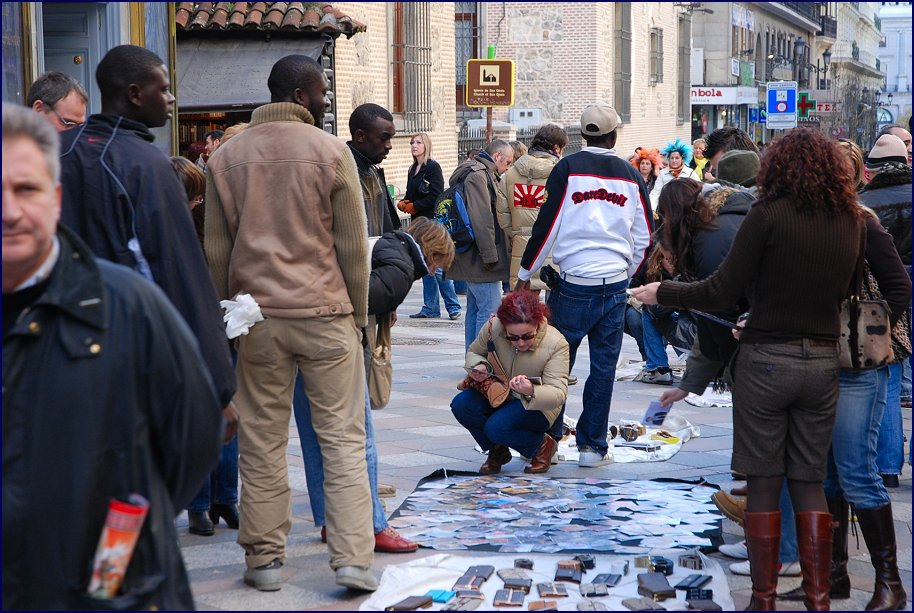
(199, 523)
(878, 527)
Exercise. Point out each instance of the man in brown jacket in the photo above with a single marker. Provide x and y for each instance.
(285, 223)
(485, 265)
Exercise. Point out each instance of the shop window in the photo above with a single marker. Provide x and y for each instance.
(411, 65)
(622, 77)
(656, 56)
(13, 52)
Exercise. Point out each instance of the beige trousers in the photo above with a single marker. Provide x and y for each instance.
(329, 354)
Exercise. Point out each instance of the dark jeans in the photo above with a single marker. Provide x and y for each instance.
(634, 328)
(597, 312)
(511, 424)
(222, 485)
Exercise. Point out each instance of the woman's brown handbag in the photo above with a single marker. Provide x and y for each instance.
(381, 369)
(495, 386)
(866, 333)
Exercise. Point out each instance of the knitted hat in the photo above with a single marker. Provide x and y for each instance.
(599, 119)
(888, 148)
(738, 167)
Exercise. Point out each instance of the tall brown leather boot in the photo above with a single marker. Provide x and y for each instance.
(542, 459)
(814, 538)
(763, 539)
(840, 582)
(878, 529)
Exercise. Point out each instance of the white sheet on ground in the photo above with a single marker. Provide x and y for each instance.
(440, 571)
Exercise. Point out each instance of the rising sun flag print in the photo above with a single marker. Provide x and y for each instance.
(529, 196)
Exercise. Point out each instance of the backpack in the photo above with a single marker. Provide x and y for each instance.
(451, 210)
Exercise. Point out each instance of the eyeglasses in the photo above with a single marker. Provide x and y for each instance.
(529, 336)
(67, 123)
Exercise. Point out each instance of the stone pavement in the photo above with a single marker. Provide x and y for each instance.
(416, 435)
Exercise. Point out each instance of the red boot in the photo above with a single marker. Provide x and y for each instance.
(814, 538)
(763, 540)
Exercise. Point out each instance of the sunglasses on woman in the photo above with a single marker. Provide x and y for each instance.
(523, 337)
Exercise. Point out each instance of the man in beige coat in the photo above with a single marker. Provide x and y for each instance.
(522, 191)
(285, 223)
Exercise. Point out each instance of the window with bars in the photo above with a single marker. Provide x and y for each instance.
(411, 65)
(656, 56)
(466, 35)
(622, 75)
(683, 93)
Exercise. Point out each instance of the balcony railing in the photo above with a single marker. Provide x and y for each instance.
(829, 27)
(809, 10)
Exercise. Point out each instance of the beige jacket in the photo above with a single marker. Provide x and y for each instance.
(521, 193)
(285, 220)
(548, 358)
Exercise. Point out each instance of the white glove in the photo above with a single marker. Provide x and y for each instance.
(240, 314)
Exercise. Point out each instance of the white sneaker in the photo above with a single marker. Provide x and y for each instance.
(791, 569)
(588, 458)
(736, 550)
(356, 578)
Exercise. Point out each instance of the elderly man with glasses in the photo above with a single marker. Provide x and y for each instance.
(60, 98)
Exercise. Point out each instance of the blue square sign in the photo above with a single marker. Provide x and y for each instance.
(782, 98)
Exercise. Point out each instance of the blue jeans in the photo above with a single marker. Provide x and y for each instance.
(852, 458)
(654, 344)
(314, 462)
(597, 312)
(222, 485)
(460, 287)
(431, 287)
(511, 424)
(906, 379)
(634, 328)
(483, 300)
(890, 448)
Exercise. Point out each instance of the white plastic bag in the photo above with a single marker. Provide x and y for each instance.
(240, 314)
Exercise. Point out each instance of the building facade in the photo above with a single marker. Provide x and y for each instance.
(895, 59)
(633, 55)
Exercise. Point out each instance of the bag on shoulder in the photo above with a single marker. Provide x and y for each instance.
(451, 210)
(381, 369)
(866, 335)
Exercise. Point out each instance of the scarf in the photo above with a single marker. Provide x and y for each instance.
(676, 172)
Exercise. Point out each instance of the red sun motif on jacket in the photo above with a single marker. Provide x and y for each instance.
(529, 196)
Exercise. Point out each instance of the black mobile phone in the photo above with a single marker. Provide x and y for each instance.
(535, 380)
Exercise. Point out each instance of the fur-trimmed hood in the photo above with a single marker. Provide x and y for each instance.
(893, 173)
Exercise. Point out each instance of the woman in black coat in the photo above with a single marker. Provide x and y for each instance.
(424, 184)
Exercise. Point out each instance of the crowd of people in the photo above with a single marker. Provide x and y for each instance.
(116, 259)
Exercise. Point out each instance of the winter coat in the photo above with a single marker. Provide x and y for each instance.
(710, 248)
(285, 219)
(396, 263)
(124, 199)
(665, 177)
(379, 206)
(424, 187)
(487, 261)
(548, 358)
(520, 195)
(889, 195)
(105, 394)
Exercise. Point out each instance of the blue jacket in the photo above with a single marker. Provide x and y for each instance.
(124, 199)
(104, 394)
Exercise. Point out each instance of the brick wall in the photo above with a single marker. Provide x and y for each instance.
(363, 67)
(563, 57)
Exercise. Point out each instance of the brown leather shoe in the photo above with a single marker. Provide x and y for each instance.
(542, 459)
(733, 508)
(499, 455)
(389, 541)
(742, 490)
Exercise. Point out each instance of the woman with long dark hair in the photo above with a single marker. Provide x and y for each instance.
(794, 257)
